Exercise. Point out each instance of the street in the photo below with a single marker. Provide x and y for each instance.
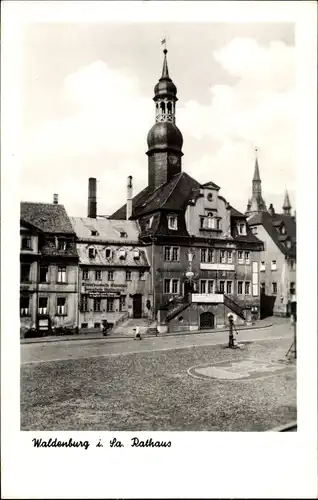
(184, 382)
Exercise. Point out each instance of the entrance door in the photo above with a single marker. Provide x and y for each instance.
(206, 320)
(137, 305)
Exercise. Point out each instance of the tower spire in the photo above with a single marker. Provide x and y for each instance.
(165, 71)
(256, 203)
(257, 176)
(286, 206)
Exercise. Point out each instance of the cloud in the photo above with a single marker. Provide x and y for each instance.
(258, 110)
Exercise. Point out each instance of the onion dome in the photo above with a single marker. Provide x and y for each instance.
(164, 135)
(165, 87)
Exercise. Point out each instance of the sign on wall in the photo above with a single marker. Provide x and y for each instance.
(211, 298)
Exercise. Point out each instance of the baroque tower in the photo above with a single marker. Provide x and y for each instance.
(256, 203)
(164, 138)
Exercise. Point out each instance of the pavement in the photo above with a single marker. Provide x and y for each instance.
(265, 323)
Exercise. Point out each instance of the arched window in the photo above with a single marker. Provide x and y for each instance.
(169, 107)
(163, 107)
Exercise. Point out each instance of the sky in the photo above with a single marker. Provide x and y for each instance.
(86, 108)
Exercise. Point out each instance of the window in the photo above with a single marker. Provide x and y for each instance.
(247, 288)
(221, 286)
(110, 275)
(167, 253)
(288, 244)
(123, 234)
(273, 265)
(203, 254)
(255, 288)
(110, 304)
(229, 256)
(203, 286)
(247, 257)
(293, 265)
(274, 288)
(210, 255)
(210, 286)
(254, 229)
(97, 325)
(210, 197)
(263, 287)
(26, 243)
(175, 254)
(44, 274)
(97, 304)
(24, 306)
(283, 230)
(42, 305)
(84, 325)
(262, 266)
(241, 228)
(98, 275)
(61, 274)
(108, 253)
(166, 285)
(292, 288)
(61, 244)
(223, 256)
(25, 272)
(122, 302)
(142, 275)
(210, 221)
(61, 306)
(84, 303)
(229, 287)
(218, 224)
(175, 286)
(136, 254)
(85, 274)
(240, 257)
(128, 275)
(94, 232)
(122, 254)
(240, 287)
(91, 253)
(173, 222)
(201, 222)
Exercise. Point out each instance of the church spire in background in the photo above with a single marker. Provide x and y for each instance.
(256, 203)
(286, 206)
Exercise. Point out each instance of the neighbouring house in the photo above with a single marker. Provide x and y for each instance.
(204, 258)
(114, 272)
(49, 262)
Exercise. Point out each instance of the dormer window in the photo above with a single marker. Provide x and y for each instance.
(288, 244)
(94, 232)
(210, 221)
(122, 254)
(26, 243)
(173, 222)
(210, 197)
(91, 253)
(149, 222)
(123, 234)
(108, 253)
(241, 228)
(136, 254)
(61, 244)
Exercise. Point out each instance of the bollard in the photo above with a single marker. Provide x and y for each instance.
(231, 336)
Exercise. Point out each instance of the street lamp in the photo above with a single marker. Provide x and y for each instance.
(190, 274)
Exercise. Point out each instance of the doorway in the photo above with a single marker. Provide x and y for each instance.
(137, 305)
(207, 320)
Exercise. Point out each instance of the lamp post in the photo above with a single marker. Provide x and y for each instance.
(294, 315)
(189, 274)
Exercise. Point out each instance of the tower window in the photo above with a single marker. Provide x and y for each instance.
(169, 107)
(108, 253)
(210, 197)
(242, 228)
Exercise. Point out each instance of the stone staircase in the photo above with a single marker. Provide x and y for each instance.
(233, 306)
(126, 328)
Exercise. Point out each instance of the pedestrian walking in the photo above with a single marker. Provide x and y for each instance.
(137, 334)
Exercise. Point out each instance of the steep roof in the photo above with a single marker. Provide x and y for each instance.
(47, 217)
(272, 224)
(172, 195)
(114, 260)
(107, 230)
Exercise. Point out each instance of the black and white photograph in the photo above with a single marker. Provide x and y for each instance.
(157, 234)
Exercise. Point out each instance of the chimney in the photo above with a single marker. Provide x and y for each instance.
(55, 199)
(271, 209)
(129, 197)
(92, 203)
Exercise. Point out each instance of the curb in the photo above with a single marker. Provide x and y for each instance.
(41, 340)
(285, 428)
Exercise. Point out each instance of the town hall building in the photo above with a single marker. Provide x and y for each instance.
(204, 257)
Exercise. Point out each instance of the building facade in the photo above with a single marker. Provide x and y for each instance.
(203, 256)
(114, 272)
(278, 259)
(49, 262)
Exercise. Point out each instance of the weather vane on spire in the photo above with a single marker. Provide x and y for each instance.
(163, 42)
(256, 149)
